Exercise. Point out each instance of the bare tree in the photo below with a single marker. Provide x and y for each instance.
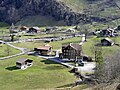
(109, 70)
(7, 50)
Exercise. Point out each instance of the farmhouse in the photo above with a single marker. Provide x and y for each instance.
(107, 42)
(6, 37)
(87, 58)
(107, 32)
(13, 29)
(71, 30)
(33, 30)
(71, 51)
(44, 50)
(24, 63)
(50, 29)
(24, 28)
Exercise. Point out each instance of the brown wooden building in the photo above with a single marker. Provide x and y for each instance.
(71, 51)
(24, 28)
(24, 63)
(107, 42)
(44, 50)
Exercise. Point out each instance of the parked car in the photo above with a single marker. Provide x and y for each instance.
(80, 63)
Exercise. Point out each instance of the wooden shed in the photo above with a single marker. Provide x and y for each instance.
(107, 42)
(24, 63)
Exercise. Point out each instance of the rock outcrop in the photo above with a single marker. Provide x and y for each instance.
(11, 11)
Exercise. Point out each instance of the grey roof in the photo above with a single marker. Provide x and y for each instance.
(21, 60)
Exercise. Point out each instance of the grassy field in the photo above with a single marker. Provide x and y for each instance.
(7, 51)
(40, 21)
(43, 74)
(3, 31)
(38, 36)
(56, 44)
(76, 5)
(107, 50)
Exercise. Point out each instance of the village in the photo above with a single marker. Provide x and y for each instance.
(66, 46)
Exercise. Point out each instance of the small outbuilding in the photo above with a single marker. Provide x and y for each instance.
(87, 58)
(24, 63)
(107, 42)
(33, 30)
(44, 50)
(24, 28)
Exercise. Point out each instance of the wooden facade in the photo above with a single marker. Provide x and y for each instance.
(43, 50)
(72, 51)
(24, 63)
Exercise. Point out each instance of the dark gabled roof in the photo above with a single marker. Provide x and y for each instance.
(107, 39)
(21, 60)
(75, 46)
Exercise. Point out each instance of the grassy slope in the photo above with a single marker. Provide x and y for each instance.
(80, 5)
(76, 5)
(43, 74)
(92, 6)
(40, 21)
(109, 50)
(56, 45)
(3, 31)
(4, 48)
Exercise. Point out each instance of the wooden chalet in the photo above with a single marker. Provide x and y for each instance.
(44, 50)
(107, 32)
(24, 63)
(33, 30)
(24, 28)
(71, 51)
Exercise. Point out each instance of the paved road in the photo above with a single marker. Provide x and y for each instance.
(42, 39)
(88, 66)
(23, 51)
(56, 60)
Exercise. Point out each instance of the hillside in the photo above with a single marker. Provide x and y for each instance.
(40, 20)
(71, 12)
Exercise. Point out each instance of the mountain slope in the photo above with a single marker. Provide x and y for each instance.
(71, 12)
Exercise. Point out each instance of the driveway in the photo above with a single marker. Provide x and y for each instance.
(87, 68)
